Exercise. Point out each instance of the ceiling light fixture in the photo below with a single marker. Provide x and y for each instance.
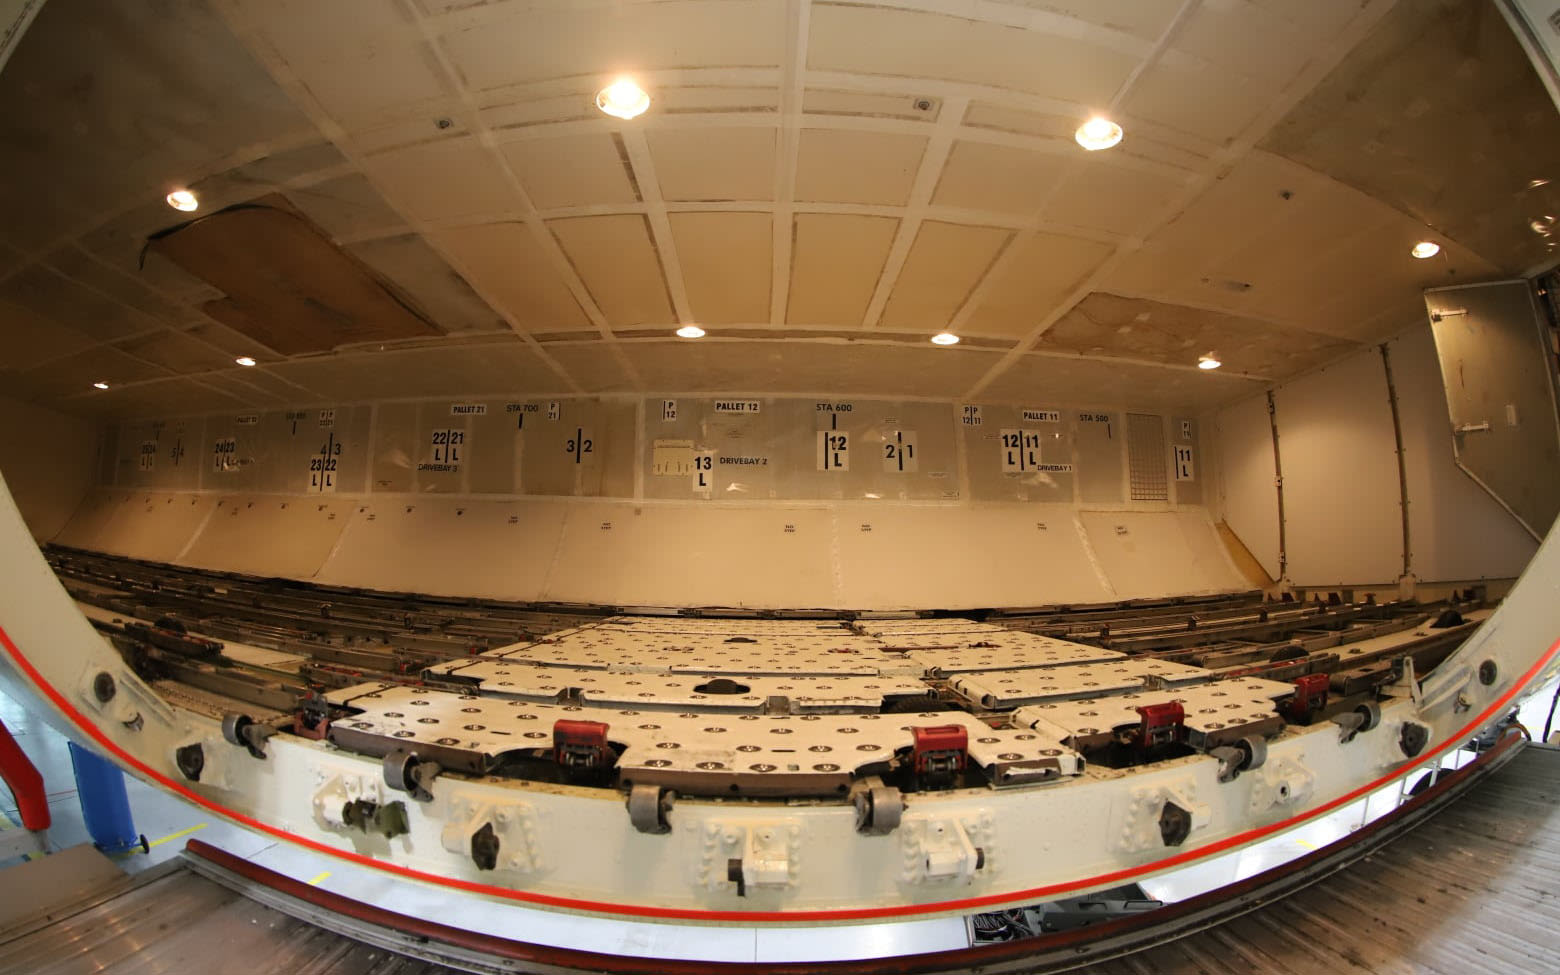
(100, 385)
(245, 360)
(1425, 248)
(183, 200)
(945, 338)
(623, 99)
(691, 332)
(1209, 361)
(1098, 133)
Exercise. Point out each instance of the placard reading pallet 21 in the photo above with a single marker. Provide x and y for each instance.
(1020, 451)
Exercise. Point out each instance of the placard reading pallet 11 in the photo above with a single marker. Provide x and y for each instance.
(899, 456)
(224, 455)
(1042, 416)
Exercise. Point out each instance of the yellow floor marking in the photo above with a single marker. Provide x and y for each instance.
(6, 822)
(316, 881)
(179, 835)
(1308, 846)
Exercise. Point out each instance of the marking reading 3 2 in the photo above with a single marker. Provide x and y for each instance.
(899, 455)
(579, 445)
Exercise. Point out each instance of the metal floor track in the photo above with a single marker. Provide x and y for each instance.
(1475, 889)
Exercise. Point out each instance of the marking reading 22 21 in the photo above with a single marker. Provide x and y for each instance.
(322, 466)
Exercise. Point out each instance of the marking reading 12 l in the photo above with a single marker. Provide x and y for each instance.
(322, 467)
(899, 453)
(1020, 451)
(833, 450)
(579, 445)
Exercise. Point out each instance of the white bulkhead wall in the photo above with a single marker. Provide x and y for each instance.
(756, 501)
(1341, 494)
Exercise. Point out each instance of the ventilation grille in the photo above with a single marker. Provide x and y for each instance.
(1146, 457)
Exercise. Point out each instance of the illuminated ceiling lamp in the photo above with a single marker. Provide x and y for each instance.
(1098, 133)
(100, 385)
(182, 200)
(245, 360)
(690, 332)
(1425, 249)
(623, 99)
(945, 338)
(1209, 361)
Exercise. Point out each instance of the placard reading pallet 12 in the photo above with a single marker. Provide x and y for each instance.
(224, 455)
(1020, 451)
(899, 456)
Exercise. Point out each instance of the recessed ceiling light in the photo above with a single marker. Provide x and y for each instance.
(691, 332)
(1098, 133)
(623, 99)
(945, 338)
(183, 200)
(100, 385)
(1425, 248)
(245, 360)
(1534, 184)
(1209, 361)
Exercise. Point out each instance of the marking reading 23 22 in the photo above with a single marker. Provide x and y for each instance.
(579, 445)
(322, 466)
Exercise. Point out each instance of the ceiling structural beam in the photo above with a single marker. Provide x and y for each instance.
(478, 127)
(237, 19)
(938, 145)
(1308, 77)
(798, 18)
(643, 168)
(1004, 261)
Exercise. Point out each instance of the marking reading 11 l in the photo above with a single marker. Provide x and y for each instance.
(1020, 451)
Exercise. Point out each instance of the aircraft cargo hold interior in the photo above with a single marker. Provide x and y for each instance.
(779, 485)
